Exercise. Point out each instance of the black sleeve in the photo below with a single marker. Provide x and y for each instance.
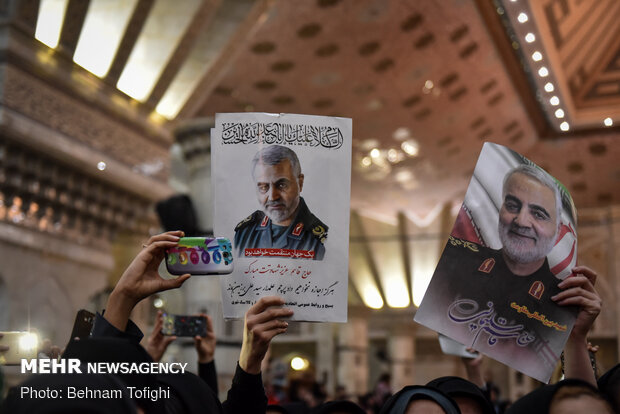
(103, 328)
(208, 374)
(246, 395)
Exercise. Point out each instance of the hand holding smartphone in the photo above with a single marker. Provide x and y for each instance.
(200, 256)
(184, 325)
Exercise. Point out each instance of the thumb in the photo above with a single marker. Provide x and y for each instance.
(174, 283)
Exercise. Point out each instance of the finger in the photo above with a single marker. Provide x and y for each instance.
(575, 292)
(574, 281)
(158, 247)
(209, 323)
(4, 348)
(270, 314)
(264, 303)
(55, 352)
(588, 305)
(167, 284)
(159, 321)
(169, 339)
(270, 334)
(169, 235)
(586, 271)
(270, 325)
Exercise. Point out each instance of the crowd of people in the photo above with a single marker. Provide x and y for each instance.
(115, 338)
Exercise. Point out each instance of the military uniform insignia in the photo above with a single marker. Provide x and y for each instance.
(265, 221)
(537, 289)
(243, 222)
(320, 233)
(298, 229)
(487, 265)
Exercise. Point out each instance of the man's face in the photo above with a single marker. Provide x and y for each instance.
(527, 219)
(278, 191)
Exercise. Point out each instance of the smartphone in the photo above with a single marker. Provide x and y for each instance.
(200, 256)
(184, 325)
(83, 325)
(22, 345)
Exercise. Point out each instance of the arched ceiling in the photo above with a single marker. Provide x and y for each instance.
(426, 83)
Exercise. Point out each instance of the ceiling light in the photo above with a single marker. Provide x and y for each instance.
(559, 113)
(372, 297)
(158, 303)
(154, 48)
(564, 126)
(549, 87)
(366, 161)
(410, 147)
(522, 17)
(403, 176)
(299, 364)
(537, 56)
(396, 294)
(542, 72)
(401, 134)
(49, 21)
(101, 165)
(554, 101)
(103, 28)
(375, 153)
(392, 155)
(608, 122)
(530, 37)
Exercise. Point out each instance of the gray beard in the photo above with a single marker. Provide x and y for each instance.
(518, 251)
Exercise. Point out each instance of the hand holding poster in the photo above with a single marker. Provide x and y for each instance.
(513, 241)
(282, 189)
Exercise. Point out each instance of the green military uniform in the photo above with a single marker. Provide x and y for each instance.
(475, 299)
(305, 233)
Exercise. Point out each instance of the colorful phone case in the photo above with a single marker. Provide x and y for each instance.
(200, 256)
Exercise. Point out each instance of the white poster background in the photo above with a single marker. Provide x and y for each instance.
(316, 290)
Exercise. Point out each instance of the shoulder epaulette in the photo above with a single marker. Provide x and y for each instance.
(319, 229)
(464, 243)
(252, 218)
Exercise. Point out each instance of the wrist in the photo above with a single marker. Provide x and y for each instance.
(578, 337)
(249, 364)
(205, 359)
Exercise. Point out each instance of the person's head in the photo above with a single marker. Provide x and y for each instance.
(564, 397)
(417, 399)
(578, 399)
(278, 179)
(466, 394)
(529, 218)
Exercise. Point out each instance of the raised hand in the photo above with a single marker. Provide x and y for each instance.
(157, 343)
(205, 346)
(263, 322)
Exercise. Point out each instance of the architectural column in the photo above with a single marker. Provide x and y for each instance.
(325, 346)
(401, 354)
(353, 354)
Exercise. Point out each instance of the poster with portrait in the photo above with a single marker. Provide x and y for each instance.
(513, 241)
(281, 188)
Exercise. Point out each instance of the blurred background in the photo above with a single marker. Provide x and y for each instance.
(106, 108)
